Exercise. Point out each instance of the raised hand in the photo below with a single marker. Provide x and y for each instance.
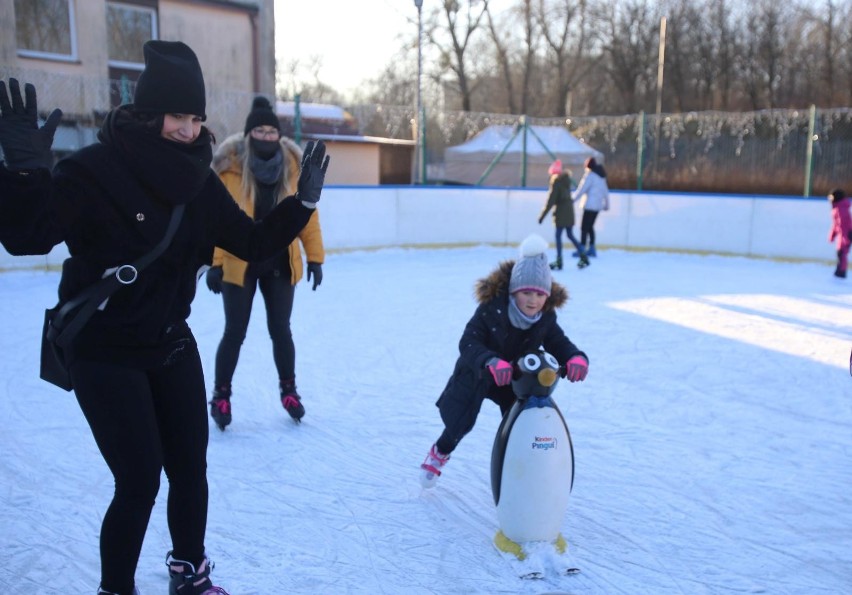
(501, 371)
(25, 145)
(312, 176)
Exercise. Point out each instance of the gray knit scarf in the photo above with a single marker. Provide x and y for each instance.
(267, 171)
(518, 318)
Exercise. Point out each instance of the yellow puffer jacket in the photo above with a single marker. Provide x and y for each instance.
(228, 163)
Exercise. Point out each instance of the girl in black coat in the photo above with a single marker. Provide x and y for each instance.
(135, 366)
(516, 315)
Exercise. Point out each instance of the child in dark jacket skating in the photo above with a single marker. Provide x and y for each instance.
(516, 314)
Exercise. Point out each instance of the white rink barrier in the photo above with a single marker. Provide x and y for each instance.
(359, 217)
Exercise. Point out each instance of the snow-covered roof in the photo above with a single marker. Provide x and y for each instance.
(314, 111)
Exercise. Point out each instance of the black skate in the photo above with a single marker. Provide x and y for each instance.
(184, 579)
(220, 407)
(291, 400)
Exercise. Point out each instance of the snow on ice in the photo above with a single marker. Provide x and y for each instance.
(713, 437)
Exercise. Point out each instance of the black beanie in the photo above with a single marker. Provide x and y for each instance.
(172, 82)
(261, 114)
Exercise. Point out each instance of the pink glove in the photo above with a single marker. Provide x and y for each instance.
(576, 368)
(501, 370)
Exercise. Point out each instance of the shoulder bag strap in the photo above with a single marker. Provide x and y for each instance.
(86, 302)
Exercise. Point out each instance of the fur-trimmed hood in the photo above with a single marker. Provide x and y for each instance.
(497, 282)
(231, 153)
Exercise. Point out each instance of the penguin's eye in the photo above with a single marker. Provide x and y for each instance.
(550, 360)
(532, 362)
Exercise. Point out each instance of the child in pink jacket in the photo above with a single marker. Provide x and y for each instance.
(841, 229)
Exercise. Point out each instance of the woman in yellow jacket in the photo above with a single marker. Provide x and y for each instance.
(260, 167)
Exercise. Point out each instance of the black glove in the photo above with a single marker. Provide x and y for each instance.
(849, 234)
(315, 270)
(214, 279)
(25, 145)
(312, 176)
(540, 219)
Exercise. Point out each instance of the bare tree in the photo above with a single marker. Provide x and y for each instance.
(564, 26)
(451, 29)
(683, 40)
(538, 57)
(527, 71)
(630, 41)
(501, 39)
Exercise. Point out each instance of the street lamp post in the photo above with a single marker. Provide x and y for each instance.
(418, 126)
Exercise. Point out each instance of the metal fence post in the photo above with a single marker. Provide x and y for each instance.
(640, 150)
(809, 154)
(524, 153)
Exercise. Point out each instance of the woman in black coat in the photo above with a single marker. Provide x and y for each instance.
(135, 367)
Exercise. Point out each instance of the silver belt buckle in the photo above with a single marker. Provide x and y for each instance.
(126, 269)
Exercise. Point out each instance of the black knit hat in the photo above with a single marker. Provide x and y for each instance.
(837, 194)
(172, 82)
(261, 114)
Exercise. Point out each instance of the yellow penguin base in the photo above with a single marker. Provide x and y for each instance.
(504, 544)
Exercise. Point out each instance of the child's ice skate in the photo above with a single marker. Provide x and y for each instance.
(430, 469)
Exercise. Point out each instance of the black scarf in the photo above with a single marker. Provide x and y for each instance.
(174, 172)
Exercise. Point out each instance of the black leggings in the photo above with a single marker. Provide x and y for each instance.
(278, 296)
(587, 229)
(144, 422)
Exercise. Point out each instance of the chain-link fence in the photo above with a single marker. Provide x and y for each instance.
(791, 152)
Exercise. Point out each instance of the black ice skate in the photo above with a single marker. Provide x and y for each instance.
(291, 400)
(184, 579)
(220, 407)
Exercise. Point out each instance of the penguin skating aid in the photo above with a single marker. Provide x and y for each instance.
(532, 464)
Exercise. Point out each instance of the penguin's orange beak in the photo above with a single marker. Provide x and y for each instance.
(547, 377)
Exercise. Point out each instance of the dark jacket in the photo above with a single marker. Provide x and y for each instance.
(490, 334)
(559, 199)
(97, 203)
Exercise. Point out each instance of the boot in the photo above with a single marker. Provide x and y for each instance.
(184, 579)
(220, 406)
(584, 261)
(591, 251)
(556, 265)
(291, 400)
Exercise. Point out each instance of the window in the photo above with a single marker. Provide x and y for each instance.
(128, 28)
(129, 25)
(45, 29)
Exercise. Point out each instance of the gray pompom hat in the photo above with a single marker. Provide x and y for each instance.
(531, 271)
